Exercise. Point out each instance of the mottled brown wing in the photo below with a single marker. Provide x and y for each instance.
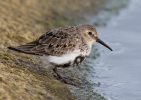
(55, 42)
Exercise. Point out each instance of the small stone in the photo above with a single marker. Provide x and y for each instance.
(1, 79)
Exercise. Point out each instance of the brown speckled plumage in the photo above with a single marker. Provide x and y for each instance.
(55, 42)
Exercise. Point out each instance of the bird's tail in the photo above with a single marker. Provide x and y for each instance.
(27, 48)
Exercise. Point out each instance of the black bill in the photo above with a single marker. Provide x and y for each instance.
(104, 44)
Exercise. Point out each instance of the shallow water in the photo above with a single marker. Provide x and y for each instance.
(119, 71)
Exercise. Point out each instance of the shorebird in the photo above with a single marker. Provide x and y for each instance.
(64, 46)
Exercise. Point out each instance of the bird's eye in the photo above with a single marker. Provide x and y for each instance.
(90, 33)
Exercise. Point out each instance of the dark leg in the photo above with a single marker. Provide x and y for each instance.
(56, 72)
(60, 77)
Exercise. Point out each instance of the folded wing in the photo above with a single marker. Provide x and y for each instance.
(55, 42)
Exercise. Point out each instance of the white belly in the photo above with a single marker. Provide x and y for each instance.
(69, 57)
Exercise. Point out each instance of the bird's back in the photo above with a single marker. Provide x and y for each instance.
(55, 42)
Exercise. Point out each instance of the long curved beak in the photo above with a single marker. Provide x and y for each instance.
(104, 44)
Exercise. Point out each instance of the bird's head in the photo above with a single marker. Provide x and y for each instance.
(90, 35)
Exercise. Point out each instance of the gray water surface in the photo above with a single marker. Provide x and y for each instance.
(119, 71)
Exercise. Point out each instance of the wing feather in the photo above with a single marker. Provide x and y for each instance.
(55, 42)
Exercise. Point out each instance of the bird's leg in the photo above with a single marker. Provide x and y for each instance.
(56, 71)
(60, 77)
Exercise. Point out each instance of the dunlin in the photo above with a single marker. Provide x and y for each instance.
(64, 46)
